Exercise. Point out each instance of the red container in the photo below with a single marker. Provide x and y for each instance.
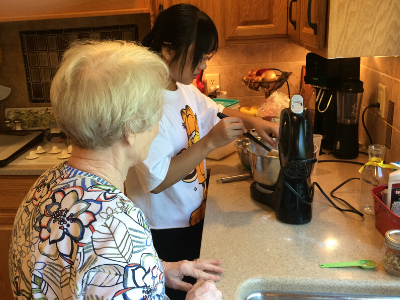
(385, 219)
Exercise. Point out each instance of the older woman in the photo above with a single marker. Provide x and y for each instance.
(76, 235)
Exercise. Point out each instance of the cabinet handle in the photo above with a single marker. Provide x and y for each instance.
(161, 7)
(290, 14)
(312, 25)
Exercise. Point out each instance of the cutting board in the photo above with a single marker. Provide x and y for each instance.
(13, 144)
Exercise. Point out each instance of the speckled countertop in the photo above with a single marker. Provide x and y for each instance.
(22, 166)
(260, 253)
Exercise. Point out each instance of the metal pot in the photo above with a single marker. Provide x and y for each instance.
(265, 166)
(242, 146)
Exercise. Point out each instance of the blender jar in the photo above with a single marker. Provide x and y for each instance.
(349, 96)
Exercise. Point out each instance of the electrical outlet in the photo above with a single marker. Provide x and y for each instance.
(212, 82)
(383, 101)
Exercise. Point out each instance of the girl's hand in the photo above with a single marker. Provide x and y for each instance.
(225, 131)
(175, 271)
(264, 128)
(204, 290)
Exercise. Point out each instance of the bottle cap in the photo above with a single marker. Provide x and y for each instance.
(392, 238)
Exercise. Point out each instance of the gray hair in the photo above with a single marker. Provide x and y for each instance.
(106, 90)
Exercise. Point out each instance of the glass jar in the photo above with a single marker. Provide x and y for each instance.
(372, 176)
(391, 252)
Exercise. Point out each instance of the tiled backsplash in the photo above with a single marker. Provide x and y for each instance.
(12, 67)
(234, 61)
(43, 49)
(31, 118)
(384, 131)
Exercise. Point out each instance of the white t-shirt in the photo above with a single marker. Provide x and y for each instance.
(188, 116)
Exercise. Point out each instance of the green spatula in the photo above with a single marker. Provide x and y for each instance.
(363, 263)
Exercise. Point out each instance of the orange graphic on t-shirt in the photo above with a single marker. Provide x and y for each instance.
(192, 129)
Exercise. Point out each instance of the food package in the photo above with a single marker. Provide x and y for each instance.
(273, 105)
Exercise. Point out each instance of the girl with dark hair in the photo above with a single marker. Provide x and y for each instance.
(173, 180)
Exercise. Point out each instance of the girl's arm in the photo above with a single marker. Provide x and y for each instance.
(224, 132)
(263, 128)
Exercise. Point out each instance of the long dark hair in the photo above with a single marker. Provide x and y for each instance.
(178, 27)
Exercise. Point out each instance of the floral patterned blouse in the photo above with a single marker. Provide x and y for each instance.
(76, 236)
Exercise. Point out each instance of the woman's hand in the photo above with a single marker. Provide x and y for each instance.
(204, 290)
(225, 131)
(175, 271)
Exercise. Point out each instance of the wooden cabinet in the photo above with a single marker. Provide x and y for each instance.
(293, 25)
(307, 22)
(341, 28)
(13, 191)
(254, 18)
(239, 20)
(22, 10)
(312, 25)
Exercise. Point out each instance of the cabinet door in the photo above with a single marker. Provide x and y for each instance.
(21, 10)
(251, 18)
(313, 20)
(293, 25)
(13, 191)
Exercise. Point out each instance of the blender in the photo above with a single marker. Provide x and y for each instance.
(349, 96)
(292, 194)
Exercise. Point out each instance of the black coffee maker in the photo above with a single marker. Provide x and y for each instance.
(292, 194)
(327, 76)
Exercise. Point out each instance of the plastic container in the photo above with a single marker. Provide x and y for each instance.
(231, 103)
(372, 176)
(394, 192)
(385, 219)
(221, 152)
(391, 252)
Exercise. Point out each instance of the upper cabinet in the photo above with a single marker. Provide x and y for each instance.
(330, 28)
(254, 19)
(342, 28)
(238, 20)
(307, 21)
(22, 10)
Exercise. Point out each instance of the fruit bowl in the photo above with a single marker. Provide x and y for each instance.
(268, 83)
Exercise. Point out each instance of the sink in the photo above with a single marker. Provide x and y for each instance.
(271, 295)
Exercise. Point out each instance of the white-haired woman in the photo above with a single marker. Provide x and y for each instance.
(76, 235)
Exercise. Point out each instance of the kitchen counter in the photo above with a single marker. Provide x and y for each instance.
(22, 166)
(260, 253)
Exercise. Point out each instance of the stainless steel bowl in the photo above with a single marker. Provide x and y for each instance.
(265, 166)
(242, 146)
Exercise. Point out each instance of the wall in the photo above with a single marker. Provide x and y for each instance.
(231, 62)
(234, 61)
(384, 70)
(12, 69)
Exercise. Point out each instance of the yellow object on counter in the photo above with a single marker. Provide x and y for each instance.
(377, 162)
(252, 111)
